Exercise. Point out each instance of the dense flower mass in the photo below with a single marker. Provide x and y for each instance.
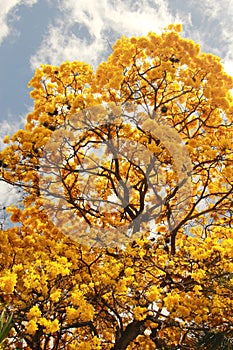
(135, 248)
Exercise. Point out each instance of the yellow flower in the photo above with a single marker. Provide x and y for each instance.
(94, 344)
(171, 300)
(198, 275)
(129, 271)
(55, 295)
(8, 282)
(53, 327)
(31, 327)
(183, 311)
(198, 319)
(18, 267)
(34, 313)
(49, 326)
(6, 139)
(86, 312)
(139, 313)
(153, 293)
(72, 313)
(175, 27)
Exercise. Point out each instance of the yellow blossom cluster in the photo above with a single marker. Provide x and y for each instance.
(153, 258)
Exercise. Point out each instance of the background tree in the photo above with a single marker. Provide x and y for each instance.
(154, 268)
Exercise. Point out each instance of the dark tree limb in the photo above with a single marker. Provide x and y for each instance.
(130, 333)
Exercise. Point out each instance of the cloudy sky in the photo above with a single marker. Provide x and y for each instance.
(51, 31)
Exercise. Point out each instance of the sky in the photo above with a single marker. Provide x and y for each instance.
(33, 32)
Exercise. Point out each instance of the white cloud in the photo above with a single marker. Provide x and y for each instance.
(9, 195)
(5, 129)
(129, 17)
(210, 24)
(211, 7)
(228, 59)
(217, 22)
(228, 65)
(6, 7)
(60, 46)
(9, 127)
(102, 21)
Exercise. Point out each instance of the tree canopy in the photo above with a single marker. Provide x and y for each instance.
(123, 237)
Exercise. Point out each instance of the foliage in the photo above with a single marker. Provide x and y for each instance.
(5, 326)
(157, 277)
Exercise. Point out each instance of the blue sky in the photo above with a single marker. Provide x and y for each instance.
(51, 31)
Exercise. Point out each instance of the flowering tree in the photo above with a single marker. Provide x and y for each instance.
(123, 239)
